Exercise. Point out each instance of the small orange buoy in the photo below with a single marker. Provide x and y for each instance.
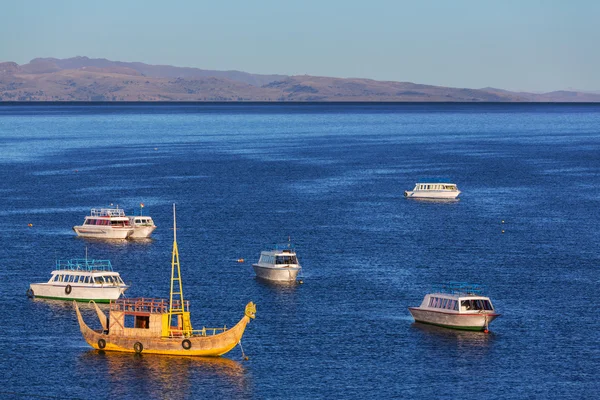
(30, 225)
(240, 260)
(486, 331)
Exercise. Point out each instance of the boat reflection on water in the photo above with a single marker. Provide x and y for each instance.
(438, 201)
(474, 339)
(172, 376)
(279, 287)
(100, 243)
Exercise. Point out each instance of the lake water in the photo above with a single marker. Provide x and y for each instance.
(331, 177)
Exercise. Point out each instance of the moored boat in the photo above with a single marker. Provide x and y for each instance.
(81, 279)
(456, 305)
(113, 223)
(433, 189)
(105, 223)
(161, 326)
(143, 226)
(280, 264)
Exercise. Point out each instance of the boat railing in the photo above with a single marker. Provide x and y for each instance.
(107, 212)
(460, 288)
(178, 332)
(84, 264)
(435, 180)
(144, 305)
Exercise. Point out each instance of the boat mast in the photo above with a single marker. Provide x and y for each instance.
(176, 302)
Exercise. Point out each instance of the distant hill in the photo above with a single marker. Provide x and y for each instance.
(87, 79)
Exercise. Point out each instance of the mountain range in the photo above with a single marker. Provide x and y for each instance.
(89, 79)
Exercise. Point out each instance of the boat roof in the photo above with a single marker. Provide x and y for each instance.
(280, 252)
(85, 273)
(107, 212)
(457, 296)
(84, 264)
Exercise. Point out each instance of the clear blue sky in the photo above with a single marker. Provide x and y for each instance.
(515, 45)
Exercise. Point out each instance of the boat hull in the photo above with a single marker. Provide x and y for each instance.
(79, 293)
(431, 194)
(142, 232)
(280, 274)
(463, 321)
(200, 346)
(102, 232)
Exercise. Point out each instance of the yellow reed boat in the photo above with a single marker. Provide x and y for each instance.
(158, 326)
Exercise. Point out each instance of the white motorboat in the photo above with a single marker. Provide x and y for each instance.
(106, 223)
(143, 226)
(433, 189)
(456, 305)
(81, 279)
(280, 264)
(112, 223)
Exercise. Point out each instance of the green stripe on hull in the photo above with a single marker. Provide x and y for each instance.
(462, 328)
(71, 299)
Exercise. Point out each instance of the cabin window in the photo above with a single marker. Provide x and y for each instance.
(465, 305)
(76, 279)
(285, 260)
(487, 305)
(444, 303)
(108, 279)
(98, 280)
(142, 322)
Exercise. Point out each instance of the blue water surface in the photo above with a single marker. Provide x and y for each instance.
(331, 177)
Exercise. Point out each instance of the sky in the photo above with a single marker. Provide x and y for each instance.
(526, 45)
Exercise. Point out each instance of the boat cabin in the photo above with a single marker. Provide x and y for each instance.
(284, 257)
(435, 186)
(88, 272)
(114, 217)
(143, 317)
(443, 301)
(142, 221)
(87, 278)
